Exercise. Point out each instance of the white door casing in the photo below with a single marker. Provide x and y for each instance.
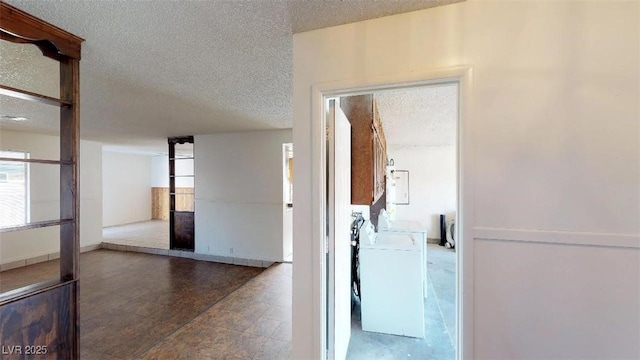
(315, 324)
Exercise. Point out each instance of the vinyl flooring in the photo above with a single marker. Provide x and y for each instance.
(146, 306)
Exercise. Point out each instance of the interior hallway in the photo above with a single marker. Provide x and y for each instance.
(440, 317)
(150, 234)
(135, 305)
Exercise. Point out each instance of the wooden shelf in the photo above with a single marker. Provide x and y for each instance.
(31, 96)
(35, 225)
(37, 161)
(30, 290)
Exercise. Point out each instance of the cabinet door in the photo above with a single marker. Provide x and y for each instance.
(379, 162)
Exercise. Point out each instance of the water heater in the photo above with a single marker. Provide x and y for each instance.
(391, 190)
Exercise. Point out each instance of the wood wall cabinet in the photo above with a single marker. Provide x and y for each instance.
(368, 149)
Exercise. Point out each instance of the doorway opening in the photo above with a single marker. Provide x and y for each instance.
(405, 198)
(287, 199)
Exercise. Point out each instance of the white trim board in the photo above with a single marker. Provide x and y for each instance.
(558, 237)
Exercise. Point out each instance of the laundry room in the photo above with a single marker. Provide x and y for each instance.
(403, 223)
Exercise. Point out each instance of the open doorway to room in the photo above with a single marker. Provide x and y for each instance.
(130, 183)
(287, 194)
(404, 198)
(143, 221)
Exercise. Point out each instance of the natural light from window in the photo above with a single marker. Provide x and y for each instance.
(14, 184)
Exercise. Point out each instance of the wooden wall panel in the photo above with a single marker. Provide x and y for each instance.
(44, 323)
(185, 200)
(160, 201)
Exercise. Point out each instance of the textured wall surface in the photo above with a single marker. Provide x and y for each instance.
(239, 202)
(126, 188)
(552, 118)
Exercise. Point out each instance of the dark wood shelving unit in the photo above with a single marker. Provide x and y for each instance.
(35, 225)
(181, 222)
(37, 161)
(30, 96)
(47, 314)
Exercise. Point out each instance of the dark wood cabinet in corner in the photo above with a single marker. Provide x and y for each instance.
(368, 149)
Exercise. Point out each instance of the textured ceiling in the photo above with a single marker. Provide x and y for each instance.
(424, 116)
(154, 69)
(36, 74)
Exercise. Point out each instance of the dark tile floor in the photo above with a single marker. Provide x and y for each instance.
(439, 319)
(135, 305)
(146, 306)
(28, 275)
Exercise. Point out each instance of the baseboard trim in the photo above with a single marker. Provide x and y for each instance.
(141, 249)
(558, 237)
(190, 255)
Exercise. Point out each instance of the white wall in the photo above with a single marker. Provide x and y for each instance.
(554, 151)
(160, 171)
(239, 200)
(126, 188)
(45, 196)
(90, 193)
(432, 184)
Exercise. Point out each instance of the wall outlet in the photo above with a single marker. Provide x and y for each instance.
(230, 250)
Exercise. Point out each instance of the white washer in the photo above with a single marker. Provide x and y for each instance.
(411, 228)
(391, 282)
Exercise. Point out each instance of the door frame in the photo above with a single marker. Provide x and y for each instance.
(461, 75)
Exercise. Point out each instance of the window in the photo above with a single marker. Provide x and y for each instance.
(14, 189)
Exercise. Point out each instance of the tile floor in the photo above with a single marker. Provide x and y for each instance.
(144, 306)
(151, 234)
(253, 322)
(439, 319)
(28, 275)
